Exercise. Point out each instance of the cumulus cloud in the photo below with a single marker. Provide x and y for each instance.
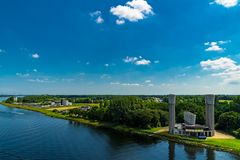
(137, 60)
(35, 56)
(132, 11)
(215, 46)
(143, 62)
(225, 68)
(218, 64)
(226, 3)
(97, 16)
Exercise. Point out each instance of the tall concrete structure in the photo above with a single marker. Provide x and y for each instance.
(209, 112)
(171, 103)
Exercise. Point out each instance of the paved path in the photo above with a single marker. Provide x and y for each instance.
(221, 135)
(218, 134)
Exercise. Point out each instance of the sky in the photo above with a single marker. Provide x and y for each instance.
(147, 47)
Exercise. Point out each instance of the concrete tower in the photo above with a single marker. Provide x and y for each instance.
(171, 103)
(209, 112)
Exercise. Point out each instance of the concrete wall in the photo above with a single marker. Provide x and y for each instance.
(171, 103)
(189, 118)
(209, 111)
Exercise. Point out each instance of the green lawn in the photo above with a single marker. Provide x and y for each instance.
(224, 143)
(225, 101)
(86, 104)
(75, 105)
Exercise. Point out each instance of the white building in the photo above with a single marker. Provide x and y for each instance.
(65, 103)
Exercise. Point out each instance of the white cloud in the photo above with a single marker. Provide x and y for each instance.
(136, 60)
(35, 55)
(120, 21)
(130, 59)
(226, 3)
(35, 70)
(97, 15)
(132, 11)
(131, 84)
(126, 84)
(143, 62)
(215, 46)
(106, 65)
(99, 20)
(114, 83)
(225, 68)
(23, 75)
(148, 81)
(38, 80)
(156, 61)
(224, 42)
(218, 64)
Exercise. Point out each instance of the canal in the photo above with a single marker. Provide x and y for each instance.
(26, 135)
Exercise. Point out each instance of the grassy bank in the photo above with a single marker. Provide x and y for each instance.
(229, 145)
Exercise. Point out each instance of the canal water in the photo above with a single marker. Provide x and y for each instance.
(26, 135)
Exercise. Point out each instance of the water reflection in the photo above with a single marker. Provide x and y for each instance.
(210, 154)
(171, 150)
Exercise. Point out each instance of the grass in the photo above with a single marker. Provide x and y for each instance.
(152, 130)
(86, 104)
(76, 105)
(229, 145)
(62, 108)
(225, 101)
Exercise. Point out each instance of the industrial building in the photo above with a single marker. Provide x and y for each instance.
(189, 127)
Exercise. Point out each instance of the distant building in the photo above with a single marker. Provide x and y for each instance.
(155, 99)
(15, 99)
(65, 103)
(85, 108)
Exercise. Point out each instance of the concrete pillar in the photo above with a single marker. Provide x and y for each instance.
(209, 112)
(171, 103)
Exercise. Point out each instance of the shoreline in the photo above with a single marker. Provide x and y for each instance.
(210, 144)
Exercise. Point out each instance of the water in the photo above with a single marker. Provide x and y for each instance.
(26, 135)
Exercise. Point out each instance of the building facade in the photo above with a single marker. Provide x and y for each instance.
(189, 127)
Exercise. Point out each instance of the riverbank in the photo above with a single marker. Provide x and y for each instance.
(229, 145)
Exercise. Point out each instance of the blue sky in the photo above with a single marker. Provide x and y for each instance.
(119, 47)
